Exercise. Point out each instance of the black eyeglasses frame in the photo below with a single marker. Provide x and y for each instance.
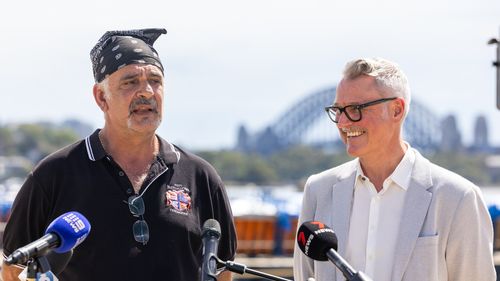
(330, 110)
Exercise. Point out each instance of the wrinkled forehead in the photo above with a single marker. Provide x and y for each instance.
(135, 71)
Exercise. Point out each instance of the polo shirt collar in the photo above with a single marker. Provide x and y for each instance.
(168, 153)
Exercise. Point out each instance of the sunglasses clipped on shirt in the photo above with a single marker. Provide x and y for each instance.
(140, 228)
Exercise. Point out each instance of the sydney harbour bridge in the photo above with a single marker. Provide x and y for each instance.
(306, 122)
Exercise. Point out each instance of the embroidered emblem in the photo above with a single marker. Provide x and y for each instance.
(178, 199)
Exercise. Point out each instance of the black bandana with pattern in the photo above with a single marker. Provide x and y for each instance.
(116, 49)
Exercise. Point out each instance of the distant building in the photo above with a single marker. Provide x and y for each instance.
(243, 141)
(451, 139)
(265, 142)
(481, 143)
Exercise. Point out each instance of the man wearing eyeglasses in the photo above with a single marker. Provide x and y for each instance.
(145, 198)
(396, 215)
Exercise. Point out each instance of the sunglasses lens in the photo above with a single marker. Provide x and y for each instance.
(136, 205)
(140, 227)
(141, 231)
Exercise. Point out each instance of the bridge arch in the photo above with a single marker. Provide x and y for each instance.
(421, 128)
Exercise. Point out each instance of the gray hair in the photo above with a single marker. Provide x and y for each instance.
(387, 74)
(104, 86)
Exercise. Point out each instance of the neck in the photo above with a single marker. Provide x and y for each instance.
(129, 147)
(133, 153)
(379, 167)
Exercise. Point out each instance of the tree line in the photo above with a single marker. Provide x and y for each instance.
(297, 163)
(294, 165)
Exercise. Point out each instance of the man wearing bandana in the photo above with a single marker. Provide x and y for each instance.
(145, 198)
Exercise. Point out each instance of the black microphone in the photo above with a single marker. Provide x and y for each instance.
(210, 236)
(62, 235)
(319, 242)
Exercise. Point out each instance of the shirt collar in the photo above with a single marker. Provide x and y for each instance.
(359, 171)
(168, 153)
(402, 174)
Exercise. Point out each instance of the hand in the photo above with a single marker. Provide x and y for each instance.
(10, 272)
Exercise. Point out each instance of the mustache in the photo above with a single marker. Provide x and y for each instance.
(143, 101)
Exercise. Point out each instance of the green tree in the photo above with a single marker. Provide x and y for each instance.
(7, 142)
(470, 166)
(299, 162)
(36, 141)
(239, 167)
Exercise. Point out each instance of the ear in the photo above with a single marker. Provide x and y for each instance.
(399, 108)
(100, 98)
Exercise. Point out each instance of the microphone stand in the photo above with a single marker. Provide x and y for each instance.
(242, 269)
(39, 269)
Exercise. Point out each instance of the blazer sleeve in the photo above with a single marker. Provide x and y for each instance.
(303, 267)
(469, 253)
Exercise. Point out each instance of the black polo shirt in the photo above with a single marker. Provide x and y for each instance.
(183, 191)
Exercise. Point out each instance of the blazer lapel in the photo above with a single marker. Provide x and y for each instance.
(417, 203)
(341, 214)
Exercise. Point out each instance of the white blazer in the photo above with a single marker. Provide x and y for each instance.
(445, 232)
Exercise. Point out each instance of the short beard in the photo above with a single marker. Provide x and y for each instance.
(145, 122)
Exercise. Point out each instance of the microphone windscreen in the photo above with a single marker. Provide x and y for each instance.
(315, 239)
(71, 228)
(211, 227)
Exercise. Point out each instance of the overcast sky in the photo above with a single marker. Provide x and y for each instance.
(245, 62)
